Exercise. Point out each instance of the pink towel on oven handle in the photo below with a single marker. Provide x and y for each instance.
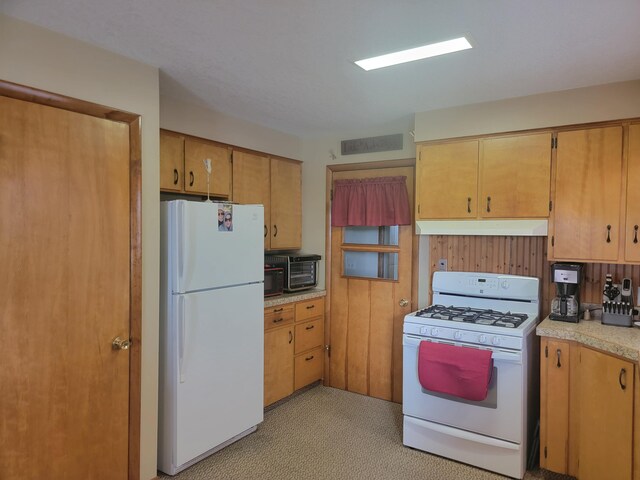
(463, 372)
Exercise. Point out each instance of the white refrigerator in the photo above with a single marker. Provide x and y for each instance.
(211, 329)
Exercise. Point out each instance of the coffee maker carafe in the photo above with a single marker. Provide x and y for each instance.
(566, 305)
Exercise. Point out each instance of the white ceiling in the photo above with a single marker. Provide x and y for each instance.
(287, 64)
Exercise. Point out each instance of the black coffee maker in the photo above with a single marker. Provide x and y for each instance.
(566, 305)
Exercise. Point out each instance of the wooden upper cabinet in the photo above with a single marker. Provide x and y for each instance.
(605, 433)
(447, 180)
(588, 189)
(515, 176)
(286, 204)
(251, 184)
(171, 161)
(632, 237)
(195, 153)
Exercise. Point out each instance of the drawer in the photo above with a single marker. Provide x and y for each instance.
(309, 309)
(277, 316)
(309, 335)
(308, 368)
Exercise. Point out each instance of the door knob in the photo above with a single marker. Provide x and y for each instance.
(119, 344)
(403, 302)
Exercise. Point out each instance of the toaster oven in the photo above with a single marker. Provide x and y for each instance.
(300, 270)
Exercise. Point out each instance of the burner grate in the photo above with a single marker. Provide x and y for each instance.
(474, 315)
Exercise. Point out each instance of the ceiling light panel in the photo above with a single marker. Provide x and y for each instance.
(414, 54)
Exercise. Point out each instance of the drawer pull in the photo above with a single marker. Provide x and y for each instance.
(309, 307)
(623, 373)
(558, 364)
(290, 336)
(308, 358)
(192, 179)
(175, 176)
(310, 327)
(608, 233)
(278, 310)
(278, 320)
(635, 234)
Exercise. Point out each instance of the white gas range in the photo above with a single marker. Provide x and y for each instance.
(484, 311)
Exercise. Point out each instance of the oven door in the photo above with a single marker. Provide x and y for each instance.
(500, 415)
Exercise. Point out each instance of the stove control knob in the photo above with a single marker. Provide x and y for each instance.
(482, 338)
(424, 330)
(495, 340)
(434, 332)
(505, 284)
(457, 335)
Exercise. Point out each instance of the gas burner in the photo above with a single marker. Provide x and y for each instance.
(473, 315)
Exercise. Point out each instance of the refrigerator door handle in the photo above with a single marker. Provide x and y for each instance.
(179, 228)
(181, 341)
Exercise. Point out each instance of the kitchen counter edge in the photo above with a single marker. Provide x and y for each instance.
(621, 341)
(293, 297)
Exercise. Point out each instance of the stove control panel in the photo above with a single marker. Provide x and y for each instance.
(462, 335)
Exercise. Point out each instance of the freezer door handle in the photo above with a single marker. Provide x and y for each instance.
(179, 228)
(181, 340)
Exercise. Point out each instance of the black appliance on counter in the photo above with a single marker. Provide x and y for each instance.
(300, 270)
(566, 305)
(273, 280)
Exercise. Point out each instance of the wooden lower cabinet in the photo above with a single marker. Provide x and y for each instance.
(293, 347)
(586, 412)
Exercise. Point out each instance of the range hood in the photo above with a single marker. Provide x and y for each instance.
(523, 228)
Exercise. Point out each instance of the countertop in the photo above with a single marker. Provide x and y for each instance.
(294, 297)
(622, 341)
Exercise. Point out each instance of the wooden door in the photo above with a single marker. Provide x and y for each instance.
(605, 416)
(286, 204)
(171, 162)
(65, 253)
(632, 238)
(447, 180)
(366, 314)
(587, 195)
(554, 404)
(515, 176)
(195, 152)
(278, 364)
(251, 185)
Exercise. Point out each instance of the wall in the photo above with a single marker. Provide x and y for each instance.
(39, 58)
(192, 119)
(613, 101)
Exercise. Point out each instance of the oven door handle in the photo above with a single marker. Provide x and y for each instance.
(500, 355)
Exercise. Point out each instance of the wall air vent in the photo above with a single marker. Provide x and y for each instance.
(383, 143)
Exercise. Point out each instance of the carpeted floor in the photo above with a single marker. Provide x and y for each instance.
(325, 433)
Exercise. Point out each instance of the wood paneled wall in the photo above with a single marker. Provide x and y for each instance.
(521, 256)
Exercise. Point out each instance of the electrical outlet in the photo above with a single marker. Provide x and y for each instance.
(442, 264)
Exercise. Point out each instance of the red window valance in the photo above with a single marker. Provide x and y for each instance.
(371, 202)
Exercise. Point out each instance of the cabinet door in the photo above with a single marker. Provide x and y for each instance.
(587, 195)
(278, 364)
(171, 162)
(308, 368)
(447, 180)
(195, 152)
(286, 204)
(605, 416)
(632, 238)
(554, 404)
(251, 184)
(515, 176)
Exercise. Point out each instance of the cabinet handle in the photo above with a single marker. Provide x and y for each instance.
(488, 204)
(608, 233)
(265, 231)
(308, 358)
(635, 234)
(558, 364)
(175, 176)
(278, 310)
(623, 373)
(309, 307)
(275, 231)
(310, 327)
(277, 320)
(468, 204)
(290, 336)
(191, 178)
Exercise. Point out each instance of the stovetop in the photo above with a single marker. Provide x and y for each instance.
(476, 316)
